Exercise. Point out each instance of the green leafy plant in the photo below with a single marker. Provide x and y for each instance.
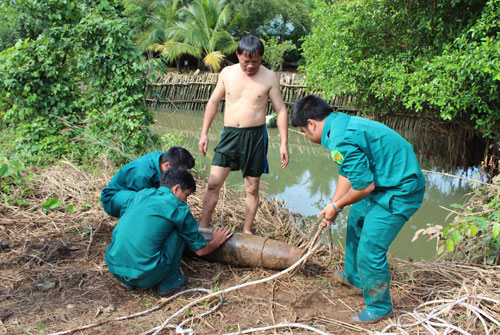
(71, 208)
(41, 326)
(147, 304)
(172, 140)
(474, 233)
(51, 204)
(275, 52)
(13, 177)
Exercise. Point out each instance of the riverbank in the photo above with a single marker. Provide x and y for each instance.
(54, 277)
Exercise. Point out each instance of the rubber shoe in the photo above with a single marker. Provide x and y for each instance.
(369, 317)
(167, 288)
(339, 276)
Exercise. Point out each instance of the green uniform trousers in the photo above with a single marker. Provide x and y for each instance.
(119, 202)
(370, 230)
(163, 272)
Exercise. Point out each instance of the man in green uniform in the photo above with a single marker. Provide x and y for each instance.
(380, 176)
(149, 253)
(144, 172)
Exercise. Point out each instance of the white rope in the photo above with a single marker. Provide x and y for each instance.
(125, 317)
(179, 326)
(312, 246)
(432, 320)
(279, 325)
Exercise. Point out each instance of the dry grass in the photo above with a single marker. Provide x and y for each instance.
(53, 276)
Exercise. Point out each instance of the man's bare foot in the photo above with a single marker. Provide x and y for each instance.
(246, 231)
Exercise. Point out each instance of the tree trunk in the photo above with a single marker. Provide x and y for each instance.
(178, 63)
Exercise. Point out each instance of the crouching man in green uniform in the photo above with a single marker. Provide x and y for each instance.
(144, 172)
(380, 176)
(148, 241)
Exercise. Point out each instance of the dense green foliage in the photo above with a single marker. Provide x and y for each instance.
(207, 29)
(19, 21)
(288, 20)
(275, 52)
(437, 57)
(77, 89)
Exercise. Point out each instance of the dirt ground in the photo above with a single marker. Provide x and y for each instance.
(69, 286)
(54, 280)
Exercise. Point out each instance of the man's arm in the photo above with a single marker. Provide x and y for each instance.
(343, 186)
(210, 112)
(344, 195)
(219, 236)
(281, 118)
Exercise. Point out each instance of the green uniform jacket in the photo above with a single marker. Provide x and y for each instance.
(143, 172)
(138, 247)
(367, 151)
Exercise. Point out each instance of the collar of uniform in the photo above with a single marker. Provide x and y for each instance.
(164, 190)
(157, 165)
(333, 132)
(327, 130)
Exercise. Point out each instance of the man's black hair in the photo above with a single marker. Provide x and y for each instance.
(252, 45)
(178, 156)
(309, 107)
(178, 175)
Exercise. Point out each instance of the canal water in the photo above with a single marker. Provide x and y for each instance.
(308, 182)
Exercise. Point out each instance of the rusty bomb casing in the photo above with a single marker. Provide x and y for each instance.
(253, 251)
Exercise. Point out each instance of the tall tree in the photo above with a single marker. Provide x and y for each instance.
(152, 21)
(286, 19)
(201, 33)
(438, 57)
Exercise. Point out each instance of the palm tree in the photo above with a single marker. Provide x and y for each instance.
(151, 20)
(201, 33)
(162, 15)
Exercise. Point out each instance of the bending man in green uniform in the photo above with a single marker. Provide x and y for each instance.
(380, 176)
(144, 172)
(149, 253)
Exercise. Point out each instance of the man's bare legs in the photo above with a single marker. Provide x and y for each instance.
(218, 175)
(251, 202)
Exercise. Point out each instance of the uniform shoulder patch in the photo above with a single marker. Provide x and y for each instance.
(337, 157)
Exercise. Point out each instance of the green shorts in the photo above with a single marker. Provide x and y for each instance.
(243, 149)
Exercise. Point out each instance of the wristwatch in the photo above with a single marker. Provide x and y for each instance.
(338, 210)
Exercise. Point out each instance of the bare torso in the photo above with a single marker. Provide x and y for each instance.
(247, 88)
(246, 96)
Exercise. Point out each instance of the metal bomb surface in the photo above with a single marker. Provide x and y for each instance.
(253, 251)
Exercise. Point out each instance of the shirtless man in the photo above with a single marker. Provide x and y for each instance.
(247, 87)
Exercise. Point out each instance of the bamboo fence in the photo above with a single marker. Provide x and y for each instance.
(434, 140)
(191, 92)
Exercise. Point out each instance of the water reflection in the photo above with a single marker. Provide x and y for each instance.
(309, 181)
